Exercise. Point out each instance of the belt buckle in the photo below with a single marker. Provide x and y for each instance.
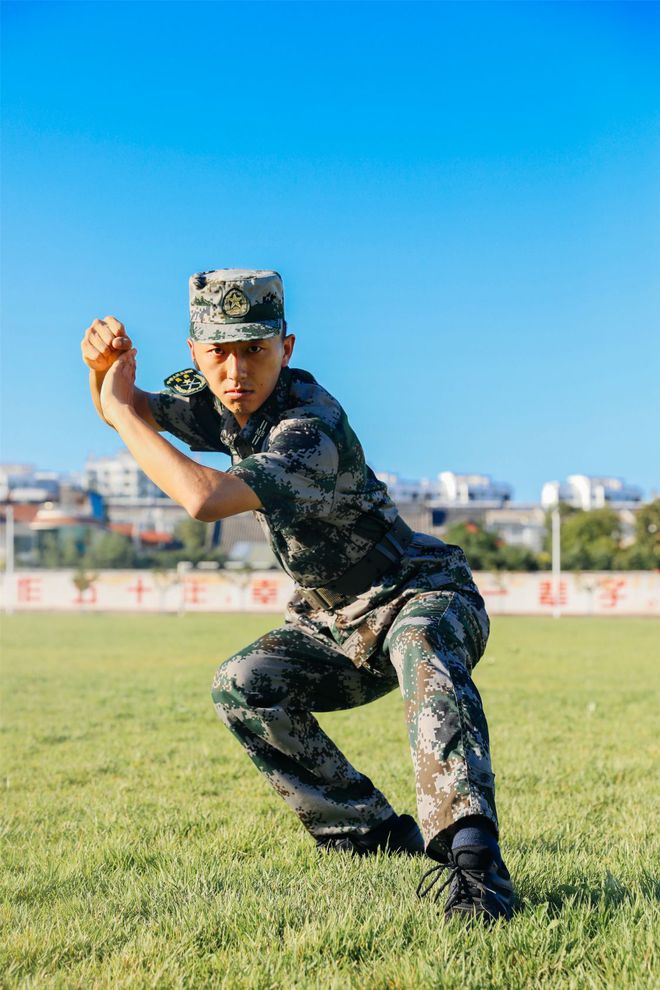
(313, 598)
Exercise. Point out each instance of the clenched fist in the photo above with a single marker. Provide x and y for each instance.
(117, 388)
(103, 342)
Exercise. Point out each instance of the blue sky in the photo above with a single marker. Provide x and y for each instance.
(463, 200)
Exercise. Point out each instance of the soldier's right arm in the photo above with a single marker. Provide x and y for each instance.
(102, 343)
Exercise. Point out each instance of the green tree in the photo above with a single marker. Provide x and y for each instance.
(479, 546)
(486, 551)
(83, 580)
(516, 558)
(49, 552)
(565, 512)
(637, 558)
(111, 550)
(61, 548)
(647, 529)
(72, 551)
(165, 559)
(193, 534)
(195, 538)
(590, 541)
(644, 554)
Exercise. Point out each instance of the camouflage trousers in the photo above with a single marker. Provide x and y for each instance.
(267, 692)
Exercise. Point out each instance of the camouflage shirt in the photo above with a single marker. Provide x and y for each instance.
(322, 509)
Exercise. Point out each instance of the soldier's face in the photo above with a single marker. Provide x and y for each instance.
(243, 373)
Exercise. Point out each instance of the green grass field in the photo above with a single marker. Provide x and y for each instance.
(143, 849)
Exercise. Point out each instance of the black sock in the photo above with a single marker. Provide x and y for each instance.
(473, 821)
(474, 843)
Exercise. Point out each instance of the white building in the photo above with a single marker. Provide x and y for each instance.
(584, 492)
(120, 480)
(518, 525)
(449, 490)
(404, 490)
(471, 489)
(24, 483)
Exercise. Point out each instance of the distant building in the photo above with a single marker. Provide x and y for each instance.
(449, 489)
(142, 538)
(406, 491)
(68, 521)
(584, 492)
(24, 483)
(465, 497)
(158, 514)
(130, 496)
(25, 541)
(518, 525)
(432, 506)
(243, 541)
(470, 489)
(120, 480)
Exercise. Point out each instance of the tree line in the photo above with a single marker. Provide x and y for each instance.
(590, 541)
(93, 549)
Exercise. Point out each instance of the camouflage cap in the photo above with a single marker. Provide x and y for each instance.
(236, 304)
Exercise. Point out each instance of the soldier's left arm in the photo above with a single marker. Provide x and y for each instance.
(203, 492)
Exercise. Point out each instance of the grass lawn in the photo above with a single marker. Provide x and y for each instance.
(143, 849)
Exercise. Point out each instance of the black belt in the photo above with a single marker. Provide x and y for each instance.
(377, 562)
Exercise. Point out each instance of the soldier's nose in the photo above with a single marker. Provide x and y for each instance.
(235, 367)
(230, 366)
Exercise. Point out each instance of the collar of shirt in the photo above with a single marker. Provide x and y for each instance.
(247, 440)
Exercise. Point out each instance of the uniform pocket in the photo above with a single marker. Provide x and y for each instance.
(476, 623)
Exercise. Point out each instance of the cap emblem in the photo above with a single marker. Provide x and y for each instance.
(235, 303)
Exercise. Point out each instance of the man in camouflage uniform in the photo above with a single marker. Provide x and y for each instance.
(375, 604)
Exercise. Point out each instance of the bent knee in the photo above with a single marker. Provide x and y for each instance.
(242, 681)
(223, 685)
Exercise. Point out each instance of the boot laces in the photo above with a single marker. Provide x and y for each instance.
(466, 885)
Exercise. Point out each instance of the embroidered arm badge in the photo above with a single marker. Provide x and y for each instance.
(186, 382)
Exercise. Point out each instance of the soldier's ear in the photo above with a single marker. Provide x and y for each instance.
(288, 344)
(191, 345)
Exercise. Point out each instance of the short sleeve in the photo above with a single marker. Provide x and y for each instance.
(174, 414)
(297, 476)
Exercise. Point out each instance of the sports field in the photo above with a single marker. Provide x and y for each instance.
(143, 849)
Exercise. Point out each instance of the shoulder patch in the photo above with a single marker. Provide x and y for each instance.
(186, 382)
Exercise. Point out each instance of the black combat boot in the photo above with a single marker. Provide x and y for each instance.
(479, 882)
(398, 834)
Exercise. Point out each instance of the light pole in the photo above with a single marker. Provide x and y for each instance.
(556, 562)
(9, 559)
